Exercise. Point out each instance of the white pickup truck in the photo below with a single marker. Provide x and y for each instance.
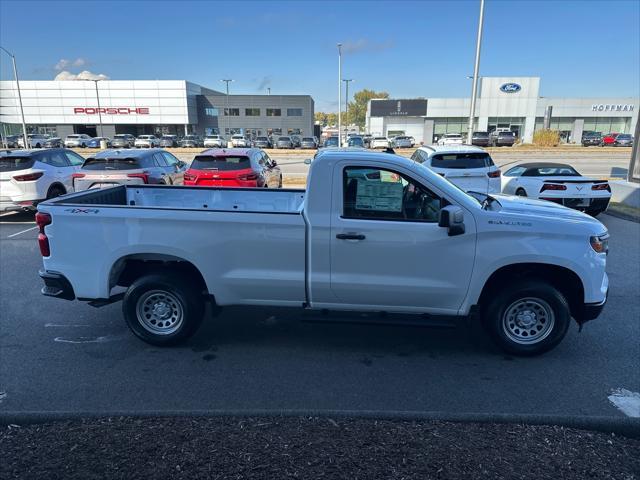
(374, 232)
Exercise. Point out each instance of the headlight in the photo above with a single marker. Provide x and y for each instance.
(600, 243)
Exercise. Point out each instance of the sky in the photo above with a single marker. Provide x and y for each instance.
(408, 49)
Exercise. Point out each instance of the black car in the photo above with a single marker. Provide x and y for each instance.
(623, 140)
(590, 139)
(481, 139)
(504, 139)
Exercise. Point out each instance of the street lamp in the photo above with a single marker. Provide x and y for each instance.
(15, 74)
(95, 81)
(339, 94)
(227, 80)
(346, 99)
(476, 67)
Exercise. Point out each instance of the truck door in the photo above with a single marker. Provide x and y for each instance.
(387, 250)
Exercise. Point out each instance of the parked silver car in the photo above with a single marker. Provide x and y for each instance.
(191, 141)
(169, 141)
(129, 167)
(77, 140)
(240, 141)
(262, 142)
(284, 142)
(123, 140)
(213, 141)
(402, 141)
(308, 142)
(147, 141)
(53, 142)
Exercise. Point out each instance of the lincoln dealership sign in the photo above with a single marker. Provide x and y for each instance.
(610, 107)
(399, 108)
(111, 110)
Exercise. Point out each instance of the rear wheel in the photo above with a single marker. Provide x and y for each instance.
(163, 309)
(527, 318)
(55, 191)
(521, 192)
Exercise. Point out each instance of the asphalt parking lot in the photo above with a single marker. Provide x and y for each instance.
(59, 356)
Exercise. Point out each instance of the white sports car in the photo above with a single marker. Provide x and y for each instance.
(557, 183)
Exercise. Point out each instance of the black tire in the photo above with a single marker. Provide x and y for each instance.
(177, 293)
(55, 191)
(535, 300)
(594, 212)
(521, 192)
(37, 145)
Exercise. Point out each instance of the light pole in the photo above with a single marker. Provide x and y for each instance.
(339, 94)
(98, 100)
(346, 100)
(268, 90)
(227, 80)
(476, 67)
(15, 74)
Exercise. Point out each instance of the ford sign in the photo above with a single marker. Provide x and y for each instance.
(510, 87)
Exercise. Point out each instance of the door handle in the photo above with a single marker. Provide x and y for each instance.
(350, 236)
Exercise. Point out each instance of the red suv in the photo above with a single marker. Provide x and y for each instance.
(609, 139)
(233, 167)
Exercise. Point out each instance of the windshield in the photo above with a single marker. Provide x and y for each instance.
(207, 162)
(120, 136)
(284, 139)
(462, 160)
(332, 141)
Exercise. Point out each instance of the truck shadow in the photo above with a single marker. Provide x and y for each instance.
(368, 334)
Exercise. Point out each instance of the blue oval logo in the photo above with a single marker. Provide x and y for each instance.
(510, 87)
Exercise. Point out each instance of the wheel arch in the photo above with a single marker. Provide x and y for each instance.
(565, 280)
(129, 268)
(57, 185)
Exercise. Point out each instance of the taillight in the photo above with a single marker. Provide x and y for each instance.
(42, 220)
(246, 177)
(552, 186)
(189, 177)
(28, 177)
(494, 174)
(601, 186)
(77, 175)
(144, 176)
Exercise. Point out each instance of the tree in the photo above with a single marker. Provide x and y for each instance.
(358, 107)
(326, 119)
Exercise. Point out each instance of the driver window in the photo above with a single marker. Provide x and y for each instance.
(379, 194)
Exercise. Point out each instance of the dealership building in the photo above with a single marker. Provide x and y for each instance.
(512, 103)
(60, 108)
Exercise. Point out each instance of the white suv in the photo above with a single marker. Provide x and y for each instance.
(469, 168)
(239, 141)
(451, 139)
(77, 140)
(149, 141)
(30, 176)
(36, 140)
(211, 141)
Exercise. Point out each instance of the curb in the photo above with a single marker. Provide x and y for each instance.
(625, 426)
(622, 215)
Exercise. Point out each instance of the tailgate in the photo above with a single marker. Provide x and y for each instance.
(576, 188)
(101, 179)
(466, 178)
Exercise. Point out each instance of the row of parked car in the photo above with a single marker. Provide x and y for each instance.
(31, 176)
(591, 139)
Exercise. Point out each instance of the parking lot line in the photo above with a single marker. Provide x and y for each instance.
(23, 231)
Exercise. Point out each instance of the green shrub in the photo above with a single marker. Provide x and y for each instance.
(546, 138)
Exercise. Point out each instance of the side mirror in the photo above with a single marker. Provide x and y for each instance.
(307, 161)
(452, 218)
(274, 163)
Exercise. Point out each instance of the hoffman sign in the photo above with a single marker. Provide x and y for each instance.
(609, 107)
(111, 111)
(399, 108)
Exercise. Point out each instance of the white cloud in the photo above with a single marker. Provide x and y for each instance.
(84, 75)
(63, 63)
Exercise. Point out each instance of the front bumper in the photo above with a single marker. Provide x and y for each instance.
(56, 285)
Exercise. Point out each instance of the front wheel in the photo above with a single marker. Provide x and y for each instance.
(527, 318)
(163, 309)
(521, 192)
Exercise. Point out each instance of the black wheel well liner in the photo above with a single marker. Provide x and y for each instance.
(129, 268)
(563, 279)
(56, 185)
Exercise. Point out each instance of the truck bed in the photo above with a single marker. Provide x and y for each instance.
(255, 200)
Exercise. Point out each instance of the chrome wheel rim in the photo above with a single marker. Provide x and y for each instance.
(528, 321)
(159, 312)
